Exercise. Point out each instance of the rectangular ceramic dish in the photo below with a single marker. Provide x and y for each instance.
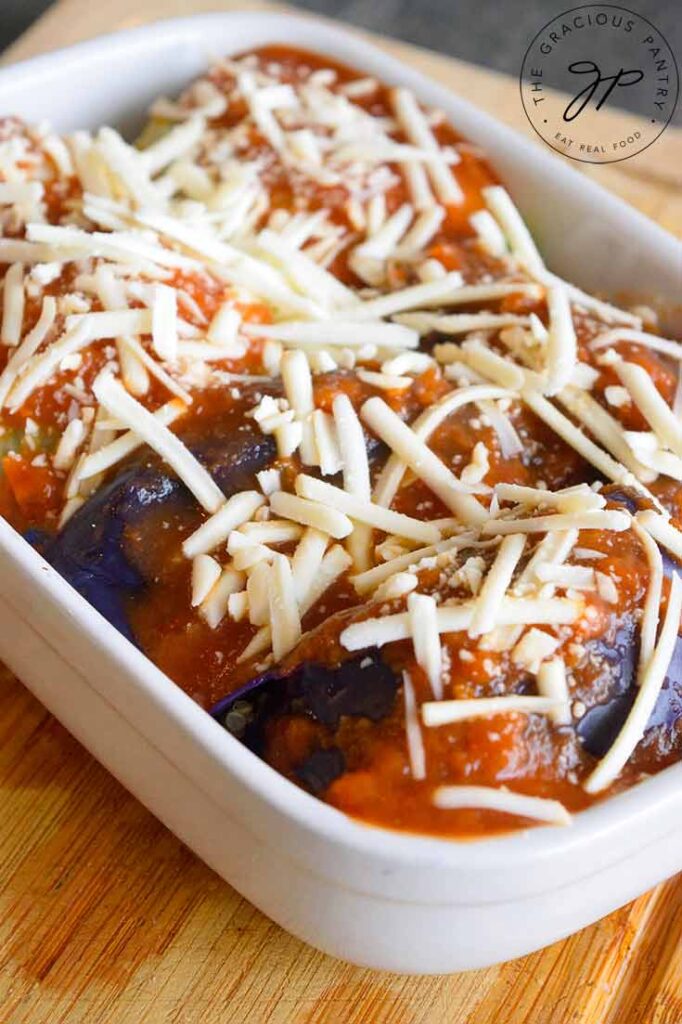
(394, 901)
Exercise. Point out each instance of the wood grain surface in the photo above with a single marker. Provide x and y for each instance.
(105, 918)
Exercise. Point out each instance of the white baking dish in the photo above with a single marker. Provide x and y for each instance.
(400, 902)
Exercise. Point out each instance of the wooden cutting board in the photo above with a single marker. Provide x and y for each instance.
(105, 918)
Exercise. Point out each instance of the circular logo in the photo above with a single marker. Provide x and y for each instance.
(584, 63)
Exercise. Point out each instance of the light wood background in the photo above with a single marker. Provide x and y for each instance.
(105, 918)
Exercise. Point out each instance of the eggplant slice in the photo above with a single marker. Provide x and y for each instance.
(363, 687)
(600, 725)
(91, 551)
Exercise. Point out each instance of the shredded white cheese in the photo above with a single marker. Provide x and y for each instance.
(205, 574)
(13, 301)
(365, 511)
(445, 712)
(413, 733)
(444, 290)
(533, 648)
(487, 798)
(575, 438)
(28, 347)
(336, 333)
(306, 561)
(367, 581)
(462, 323)
(605, 428)
(652, 405)
(610, 338)
(552, 683)
(456, 618)
(572, 499)
(326, 444)
(164, 322)
(495, 585)
(110, 454)
(389, 479)
(411, 450)
(520, 240)
(593, 519)
(356, 478)
(285, 621)
(115, 399)
(323, 517)
(652, 680)
(422, 615)
(416, 128)
(234, 512)
(213, 608)
(662, 530)
(561, 345)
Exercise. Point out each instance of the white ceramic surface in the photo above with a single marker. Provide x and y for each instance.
(394, 901)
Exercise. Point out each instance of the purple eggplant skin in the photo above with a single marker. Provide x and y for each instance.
(363, 686)
(319, 770)
(91, 553)
(631, 501)
(600, 725)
